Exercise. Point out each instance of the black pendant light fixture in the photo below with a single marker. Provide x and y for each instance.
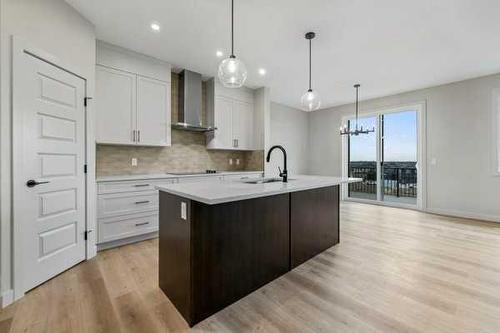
(232, 71)
(310, 100)
(345, 130)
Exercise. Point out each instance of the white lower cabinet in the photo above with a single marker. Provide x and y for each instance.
(115, 228)
(127, 211)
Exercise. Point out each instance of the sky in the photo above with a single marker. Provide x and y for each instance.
(400, 138)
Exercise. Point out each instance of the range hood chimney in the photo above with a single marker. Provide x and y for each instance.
(189, 117)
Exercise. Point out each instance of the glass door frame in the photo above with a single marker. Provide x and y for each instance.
(420, 109)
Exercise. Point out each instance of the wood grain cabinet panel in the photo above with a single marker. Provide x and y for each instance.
(212, 255)
(314, 223)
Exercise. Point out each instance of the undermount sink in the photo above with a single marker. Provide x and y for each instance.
(264, 180)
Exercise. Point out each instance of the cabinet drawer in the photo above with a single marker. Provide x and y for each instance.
(126, 203)
(130, 186)
(127, 226)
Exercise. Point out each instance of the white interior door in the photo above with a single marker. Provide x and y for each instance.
(49, 180)
(115, 106)
(153, 112)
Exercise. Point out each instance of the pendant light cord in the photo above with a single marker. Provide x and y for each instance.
(310, 64)
(357, 87)
(232, 28)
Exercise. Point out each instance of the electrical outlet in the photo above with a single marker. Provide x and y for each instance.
(237, 161)
(230, 161)
(183, 210)
(134, 161)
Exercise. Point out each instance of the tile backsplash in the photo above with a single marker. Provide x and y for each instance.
(187, 153)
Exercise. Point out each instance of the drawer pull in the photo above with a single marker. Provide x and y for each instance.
(141, 185)
(139, 224)
(141, 202)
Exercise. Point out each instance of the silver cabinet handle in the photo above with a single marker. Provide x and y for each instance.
(237, 143)
(141, 185)
(141, 202)
(138, 136)
(133, 135)
(139, 224)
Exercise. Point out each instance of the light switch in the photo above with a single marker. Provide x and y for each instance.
(237, 161)
(134, 161)
(183, 211)
(230, 161)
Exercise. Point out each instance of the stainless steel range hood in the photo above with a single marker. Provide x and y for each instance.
(189, 117)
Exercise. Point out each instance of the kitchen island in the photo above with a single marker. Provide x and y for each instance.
(221, 240)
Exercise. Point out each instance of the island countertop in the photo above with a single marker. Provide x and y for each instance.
(217, 192)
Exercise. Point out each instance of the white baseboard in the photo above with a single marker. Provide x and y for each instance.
(125, 241)
(6, 298)
(462, 214)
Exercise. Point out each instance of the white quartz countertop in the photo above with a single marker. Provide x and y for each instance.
(227, 191)
(169, 175)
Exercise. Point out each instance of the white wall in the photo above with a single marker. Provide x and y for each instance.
(55, 27)
(459, 135)
(289, 127)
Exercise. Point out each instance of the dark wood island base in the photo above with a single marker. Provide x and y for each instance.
(212, 255)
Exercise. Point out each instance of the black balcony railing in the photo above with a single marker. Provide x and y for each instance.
(399, 182)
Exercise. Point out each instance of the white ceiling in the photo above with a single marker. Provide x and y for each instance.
(389, 46)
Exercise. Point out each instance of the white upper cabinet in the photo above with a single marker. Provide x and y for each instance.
(223, 136)
(153, 101)
(116, 105)
(232, 112)
(243, 124)
(132, 98)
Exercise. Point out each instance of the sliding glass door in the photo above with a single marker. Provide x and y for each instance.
(363, 160)
(386, 160)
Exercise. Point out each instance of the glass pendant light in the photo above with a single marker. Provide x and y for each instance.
(232, 71)
(310, 100)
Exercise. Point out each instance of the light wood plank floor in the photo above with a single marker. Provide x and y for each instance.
(394, 271)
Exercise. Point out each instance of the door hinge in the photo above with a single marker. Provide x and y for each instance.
(85, 99)
(86, 234)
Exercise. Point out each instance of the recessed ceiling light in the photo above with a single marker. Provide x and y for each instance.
(155, 27)
(262, 71)
(219, 53)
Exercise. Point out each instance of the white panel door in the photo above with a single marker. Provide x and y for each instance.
(49, 180)
(115, 106)
(153, 112)
(222, 136)
(243, 124)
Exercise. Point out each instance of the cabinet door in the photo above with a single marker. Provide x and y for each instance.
(115, 106)
(222, 137)
(153, 112)
(243, 125)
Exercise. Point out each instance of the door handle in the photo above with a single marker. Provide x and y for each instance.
(32, 183)
(142, 202)
(139, 224)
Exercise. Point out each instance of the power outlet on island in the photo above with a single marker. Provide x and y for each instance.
(134, 162)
